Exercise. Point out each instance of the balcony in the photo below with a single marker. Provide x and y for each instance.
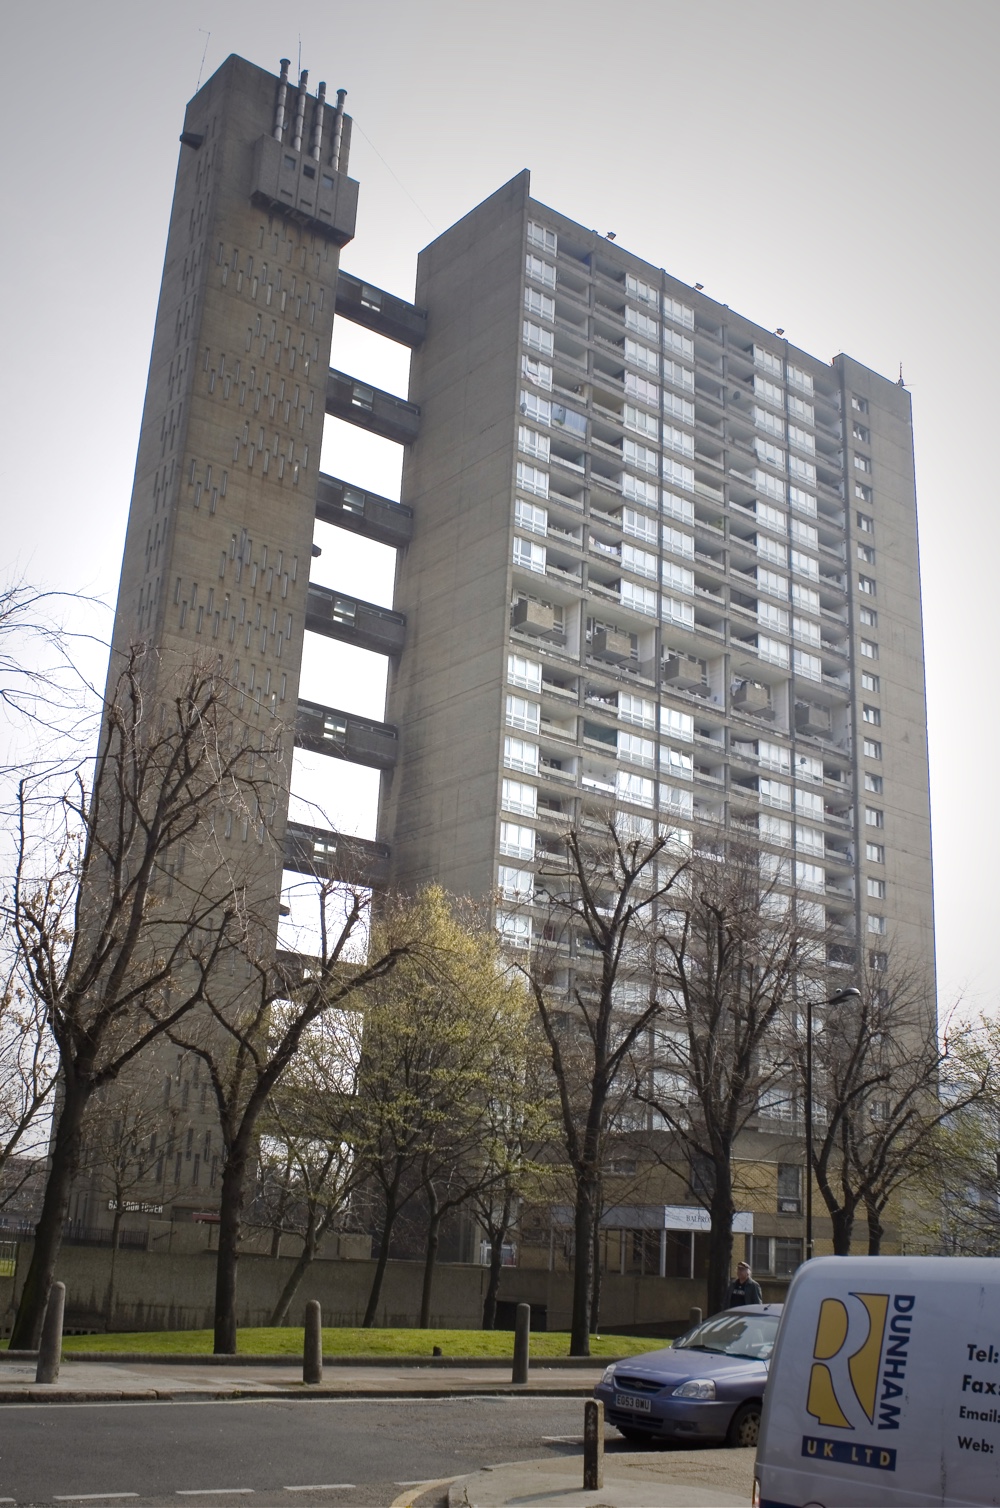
(332, 856)
(356, 622)
(380, 311)
(612, 645)
(371, 408)
(366, 513)
(327, 730)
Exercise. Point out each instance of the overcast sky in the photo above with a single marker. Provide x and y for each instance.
(826, 167)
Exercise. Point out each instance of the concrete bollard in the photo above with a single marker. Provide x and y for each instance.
(312, 1353)
(694, 1315)
(522, 1343)
(593, 1445)
(50, 1346)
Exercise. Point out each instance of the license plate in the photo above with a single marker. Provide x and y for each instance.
(627, 1401)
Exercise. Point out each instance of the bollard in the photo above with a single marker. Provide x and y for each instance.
(694, 1315)
(593, 1445)
(50, 1346)
(312, 1354)
(522, 1343)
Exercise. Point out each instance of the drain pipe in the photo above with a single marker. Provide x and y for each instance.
(300, 111)
(279, 109)
(316, 144)
(338, 129)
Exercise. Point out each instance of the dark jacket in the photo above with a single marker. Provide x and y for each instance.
(743, 1293)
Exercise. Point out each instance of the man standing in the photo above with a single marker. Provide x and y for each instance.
(744, 1290)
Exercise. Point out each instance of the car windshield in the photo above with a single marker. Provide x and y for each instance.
(749, 1335)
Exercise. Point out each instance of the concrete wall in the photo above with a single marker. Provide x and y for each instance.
(161, 1292)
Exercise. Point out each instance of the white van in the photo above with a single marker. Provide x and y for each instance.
(885, 1386)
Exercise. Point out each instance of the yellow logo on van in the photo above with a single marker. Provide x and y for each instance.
(832, 1330)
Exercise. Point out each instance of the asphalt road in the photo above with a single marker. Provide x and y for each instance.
(363, 1453)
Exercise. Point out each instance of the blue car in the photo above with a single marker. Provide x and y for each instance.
(709, 1385)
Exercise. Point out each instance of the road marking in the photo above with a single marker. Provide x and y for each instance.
(564, 1439)
(84, 1497)
(325, 1487)
(201, 1492)
(405, 1500)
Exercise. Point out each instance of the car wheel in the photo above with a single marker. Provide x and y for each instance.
(744, 1428)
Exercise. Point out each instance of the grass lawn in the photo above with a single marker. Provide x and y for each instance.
(287, 1341)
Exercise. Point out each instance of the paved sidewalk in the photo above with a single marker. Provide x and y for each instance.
(200, 1378)
(650, 1479)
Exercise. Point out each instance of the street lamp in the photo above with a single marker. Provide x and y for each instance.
(849, 994)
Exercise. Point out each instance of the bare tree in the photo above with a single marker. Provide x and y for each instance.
(604, 904)
(27, 1078)
(732, 955)
(248, 1038)
(884, 1083)
(103, 931)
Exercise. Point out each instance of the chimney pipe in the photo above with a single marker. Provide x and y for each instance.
(316, 144)
(300, 111)
(338, 129)
(279, 109)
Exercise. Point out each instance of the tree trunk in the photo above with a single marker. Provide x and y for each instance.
(842, 1221)
(720, 1241)
(583, 1265)
(391, 1211)
(49, 1230)
(230, 1209)
(315, 1230)
(497, 1236)
(595, 1295)
(875, 1230)
(433, 1241)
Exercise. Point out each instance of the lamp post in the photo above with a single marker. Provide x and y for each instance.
(849, 994)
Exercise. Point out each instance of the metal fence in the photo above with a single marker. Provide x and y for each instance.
(8, 1258)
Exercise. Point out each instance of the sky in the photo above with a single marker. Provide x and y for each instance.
(823, 167)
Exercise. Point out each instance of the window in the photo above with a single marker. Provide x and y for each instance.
(870, 714)
(680, 408)
(532, 479)
(636, 749)
(876, 889)
(771, 549)
(639, 525)
(678, 439)
(774, 756)
(678, 474)
(542, 237)
(789, 1188)
(540, 271)
(868, 616)
(876, 924)
(640, 456)
(775, 830)
(639, 561)
(775, 618)
(681, 345)
(771, 518)
(809, 804)
(775, 1256)
(641, 324)
(873, 783)
(529, 555)
(770, 454)
(538, 339)
(869, 649)
(536, 372)
(805, 565)
(866, 553)
(803, 502)
(810, 840)
(807, 665)
(644, 292)
(514, 884)
(800, 379)
(869, 682)
(641, 423)
(859, 432)
(862, 463)
(642, 389)
(865, 522)
(681, 314)
(642, 356)
(677, 801)
(676, 724)
(770, 423)
(518, 754)
(530, 517)
(678, 543)
(517, 842)
(772, 650)
(775, 793)
(875, 853)
(678, 375)
(805, 534)
(677, 577)
(801, 439)
(534, 407)
(515, 931)
(539, 304)
(636, 709)
(859, 405)
(771, 486)
(872, 748)
(768, 392)
(771, 582)
(807, 631)
(638, 789)
(810, 876)
(524, 672)
(866, 585)
(804, 470)
(516, 796)
(864, 493)
(639, 490)
(799, 409)
(809, 767)
(874, 816)
(523, 714)
(805, 597)
(531, 443)
(768, 362)
(676, 764)
(641, 599)
(879, 962)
